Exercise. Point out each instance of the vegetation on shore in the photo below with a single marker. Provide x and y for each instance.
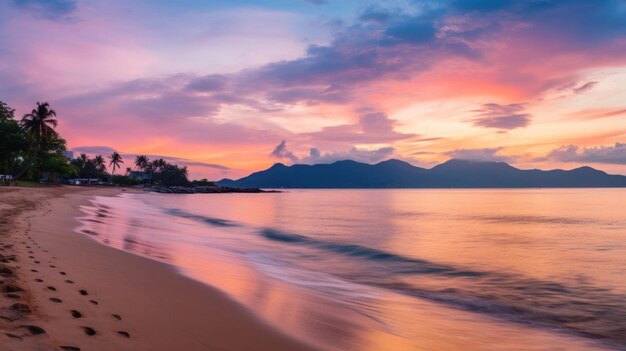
(31, 149)
(32, 152)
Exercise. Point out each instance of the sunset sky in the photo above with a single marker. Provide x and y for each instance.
(234, 86)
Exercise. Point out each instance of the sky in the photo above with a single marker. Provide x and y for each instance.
(231, 87)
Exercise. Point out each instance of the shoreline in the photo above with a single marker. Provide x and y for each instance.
(76, 286)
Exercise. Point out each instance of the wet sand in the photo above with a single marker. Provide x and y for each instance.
(64, 291)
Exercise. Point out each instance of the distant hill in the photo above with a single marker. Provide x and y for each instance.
(399, 174)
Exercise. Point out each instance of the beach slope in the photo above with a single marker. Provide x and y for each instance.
(65, 291)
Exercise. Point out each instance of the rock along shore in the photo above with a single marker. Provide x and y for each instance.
(203, 190)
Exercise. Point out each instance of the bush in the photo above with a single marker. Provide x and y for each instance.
(172, 175)
(202, 182)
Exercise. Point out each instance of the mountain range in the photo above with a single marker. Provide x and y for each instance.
(455, 173)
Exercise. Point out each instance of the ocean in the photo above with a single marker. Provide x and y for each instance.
(450, 269)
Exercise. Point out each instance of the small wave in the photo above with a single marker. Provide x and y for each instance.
(419, 266)
(218, 222)
(575, 308)
(580, 309)
(533, 219)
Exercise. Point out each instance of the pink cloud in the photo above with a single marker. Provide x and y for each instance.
(115, 82)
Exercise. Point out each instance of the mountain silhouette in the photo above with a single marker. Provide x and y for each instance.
(455, 173)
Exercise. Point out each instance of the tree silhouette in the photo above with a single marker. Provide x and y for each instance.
(39, 127)
(141, 162)
(100, 164)
(40, 124)
(116, 161)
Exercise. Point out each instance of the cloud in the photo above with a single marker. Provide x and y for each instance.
(585, 87)
(615, 154)
(373, 127)
(315, 156)
(576, 88)
(164, 108)
(280, 152)
(315, 152)
(310, 95)
(512, 49)
(502, 116)
(355, 154)
(209, 83)
(94, 150)
(398, 43)
(49, 9)
(605, 114)
(486, 154)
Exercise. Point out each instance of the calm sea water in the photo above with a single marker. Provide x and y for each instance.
(377, 270)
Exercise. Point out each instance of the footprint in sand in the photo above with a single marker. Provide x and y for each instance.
(51, 288)
(39, 280)
(69, 281)
(123, 333)
(89, 331)
(117, 316)
(76, 314)
(62, 273)
(6, 271)
(33, 329)
(70, 348)
(10, 288)
(83, 292)
(57, 300)
(94, 302)
(21, 308)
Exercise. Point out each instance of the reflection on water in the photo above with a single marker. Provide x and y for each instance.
(398, 269)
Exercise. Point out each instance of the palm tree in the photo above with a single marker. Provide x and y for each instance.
(83, 159)
(141, 162)
(116, 160)
(40, 123)
(157, 165)
(100, 163)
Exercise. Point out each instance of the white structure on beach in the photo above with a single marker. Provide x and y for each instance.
(84, 181)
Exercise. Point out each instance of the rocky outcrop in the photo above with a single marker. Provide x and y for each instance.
(202, 190)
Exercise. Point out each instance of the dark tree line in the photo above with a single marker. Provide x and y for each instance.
(90, 167)
(161, 171)
(32, 149)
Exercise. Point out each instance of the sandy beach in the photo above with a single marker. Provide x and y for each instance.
(65, 291)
